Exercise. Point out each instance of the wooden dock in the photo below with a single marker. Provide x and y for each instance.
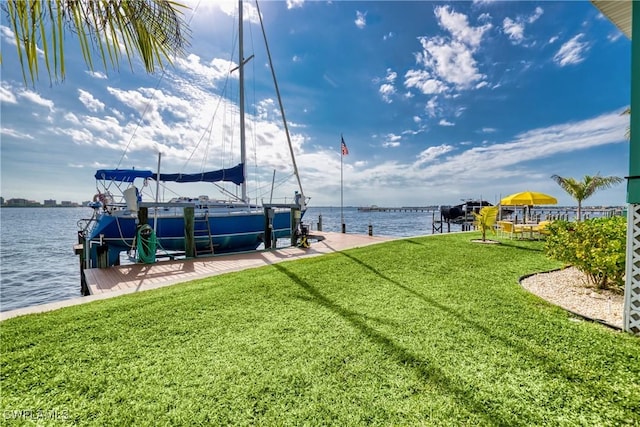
(124, 279)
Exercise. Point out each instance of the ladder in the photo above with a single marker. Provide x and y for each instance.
(201, 232)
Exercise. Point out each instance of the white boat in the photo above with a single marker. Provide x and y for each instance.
(123, 220)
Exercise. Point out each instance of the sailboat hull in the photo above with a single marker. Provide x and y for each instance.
(230, 232)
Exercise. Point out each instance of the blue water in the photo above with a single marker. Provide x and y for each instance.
(393, 224)
(38, 264)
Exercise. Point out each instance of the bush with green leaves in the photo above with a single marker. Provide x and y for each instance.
(596, 247)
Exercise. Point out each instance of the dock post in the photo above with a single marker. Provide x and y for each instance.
(370, 230)
(267, 228)
(344, 228)
(81, 252)
(436, 226)
(103, 253)
(295, 222)
(143, 216)
(189, 232)
(319, 222)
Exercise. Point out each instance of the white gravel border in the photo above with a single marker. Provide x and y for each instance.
(569, 289)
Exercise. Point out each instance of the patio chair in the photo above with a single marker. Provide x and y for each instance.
(510, 230)
(543, 228)
(501, 228)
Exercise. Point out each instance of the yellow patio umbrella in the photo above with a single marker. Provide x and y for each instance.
(528, 198)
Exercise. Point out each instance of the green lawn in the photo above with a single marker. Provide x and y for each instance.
(421, 331)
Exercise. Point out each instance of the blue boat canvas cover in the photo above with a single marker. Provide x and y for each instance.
(234, 174)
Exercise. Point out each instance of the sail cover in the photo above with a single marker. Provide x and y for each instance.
(234, 174)
(122, 175)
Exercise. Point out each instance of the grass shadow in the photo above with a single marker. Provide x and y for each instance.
(536, 354)
(426, 369)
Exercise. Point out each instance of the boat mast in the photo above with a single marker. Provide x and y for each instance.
(243, 149)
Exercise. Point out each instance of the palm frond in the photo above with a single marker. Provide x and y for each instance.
(154, 29)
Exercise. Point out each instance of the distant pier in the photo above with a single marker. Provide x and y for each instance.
(398, 209)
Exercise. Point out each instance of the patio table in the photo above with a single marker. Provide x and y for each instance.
(527, 228)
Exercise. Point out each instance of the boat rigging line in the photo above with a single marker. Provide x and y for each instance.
(275, 82)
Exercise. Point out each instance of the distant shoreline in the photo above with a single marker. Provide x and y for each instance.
(43, 206)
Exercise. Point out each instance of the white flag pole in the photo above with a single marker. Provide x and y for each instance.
(344, 229)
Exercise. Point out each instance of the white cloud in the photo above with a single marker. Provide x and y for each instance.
(90, 102)
(6, 96)
(7, 35)
(249, 12)
(117, 114)
(553, 39)
(488, 130)
(388, 36)
(537, 14)
(444, 122)
(216, 69)
(500, 165)
(448, 61)
(571, 52)
(458, 25)
(36, 99)
(72, 118)
(292, 4)
(424, 82)
(391, 76)
(432, 106)
(392, 141)
(97, 74)
(614, 36)
(514, 28)
(266, 108)
(361, 19)
(14, 133)
(432, 153)
(536, 144)
(452, 62)
(386, 90)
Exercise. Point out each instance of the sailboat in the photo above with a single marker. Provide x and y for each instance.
(122, 219)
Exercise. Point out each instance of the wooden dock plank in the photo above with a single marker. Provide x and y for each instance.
(139, 277)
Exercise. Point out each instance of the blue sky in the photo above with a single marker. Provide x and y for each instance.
(437, 102)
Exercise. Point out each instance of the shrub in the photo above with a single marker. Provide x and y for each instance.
(596, 247)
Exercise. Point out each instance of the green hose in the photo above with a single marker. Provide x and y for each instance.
(146, 244)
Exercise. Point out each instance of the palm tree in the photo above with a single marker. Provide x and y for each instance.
(581, 190)
(485, 219)
(155, 29)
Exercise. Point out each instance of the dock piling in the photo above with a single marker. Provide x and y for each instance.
(295, 225)
(189, 232)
